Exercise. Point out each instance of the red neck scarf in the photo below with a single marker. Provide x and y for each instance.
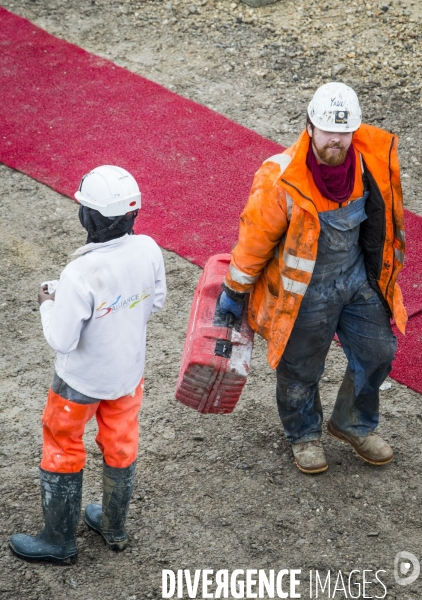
(334, 183)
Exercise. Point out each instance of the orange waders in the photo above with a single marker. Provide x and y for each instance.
(64, 425)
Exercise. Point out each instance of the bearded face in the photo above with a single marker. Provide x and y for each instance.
(332, 154)
(330, 148)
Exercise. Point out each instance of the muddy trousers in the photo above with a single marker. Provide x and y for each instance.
(364, 330)
(64, 421)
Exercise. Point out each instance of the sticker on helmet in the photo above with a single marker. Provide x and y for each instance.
(341, 117)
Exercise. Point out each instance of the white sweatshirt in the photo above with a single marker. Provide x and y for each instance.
(97, 322)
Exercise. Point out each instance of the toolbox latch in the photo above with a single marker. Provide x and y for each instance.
(223, 348)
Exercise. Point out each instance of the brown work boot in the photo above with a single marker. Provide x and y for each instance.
(371, 448)
(310, 457)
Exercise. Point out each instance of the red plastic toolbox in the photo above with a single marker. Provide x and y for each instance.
(218, 349)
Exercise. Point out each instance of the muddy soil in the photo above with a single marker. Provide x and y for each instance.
(213, 492)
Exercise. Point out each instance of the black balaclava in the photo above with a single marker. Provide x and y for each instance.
(103, 229)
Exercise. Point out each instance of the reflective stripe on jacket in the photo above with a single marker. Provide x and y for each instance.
(279, 229)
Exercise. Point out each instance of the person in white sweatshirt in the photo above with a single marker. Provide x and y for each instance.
(96, 321)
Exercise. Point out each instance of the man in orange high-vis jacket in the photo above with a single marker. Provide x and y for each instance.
(96, 322)
(321, 244)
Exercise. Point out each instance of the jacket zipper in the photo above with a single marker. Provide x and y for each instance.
(392, 207)
(298, 190)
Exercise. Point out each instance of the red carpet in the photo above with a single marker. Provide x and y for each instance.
(64, 111)
(411, 276)
(407, 367)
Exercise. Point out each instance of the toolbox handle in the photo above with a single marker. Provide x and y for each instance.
(224, 348)
(228, 320)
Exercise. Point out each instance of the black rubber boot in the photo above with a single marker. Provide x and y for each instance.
(61, 495)
(109, 519)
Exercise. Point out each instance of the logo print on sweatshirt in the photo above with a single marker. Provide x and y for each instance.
(118, 304)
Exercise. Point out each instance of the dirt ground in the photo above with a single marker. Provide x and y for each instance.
(213, 492)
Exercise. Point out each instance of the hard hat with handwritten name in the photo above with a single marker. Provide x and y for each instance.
(335, 107)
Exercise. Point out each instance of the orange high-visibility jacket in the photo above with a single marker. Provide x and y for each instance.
(279, 229)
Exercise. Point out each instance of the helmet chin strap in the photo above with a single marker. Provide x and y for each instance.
(97, 233)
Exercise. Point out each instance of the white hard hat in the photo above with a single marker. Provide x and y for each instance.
(110, 190)
(335, 107)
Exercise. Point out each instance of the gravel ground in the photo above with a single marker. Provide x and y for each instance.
(213, 492)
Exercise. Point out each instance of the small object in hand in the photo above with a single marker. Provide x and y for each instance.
(43, 294)
(51, 285)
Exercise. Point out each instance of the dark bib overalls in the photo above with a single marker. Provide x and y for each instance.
(338, 300)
